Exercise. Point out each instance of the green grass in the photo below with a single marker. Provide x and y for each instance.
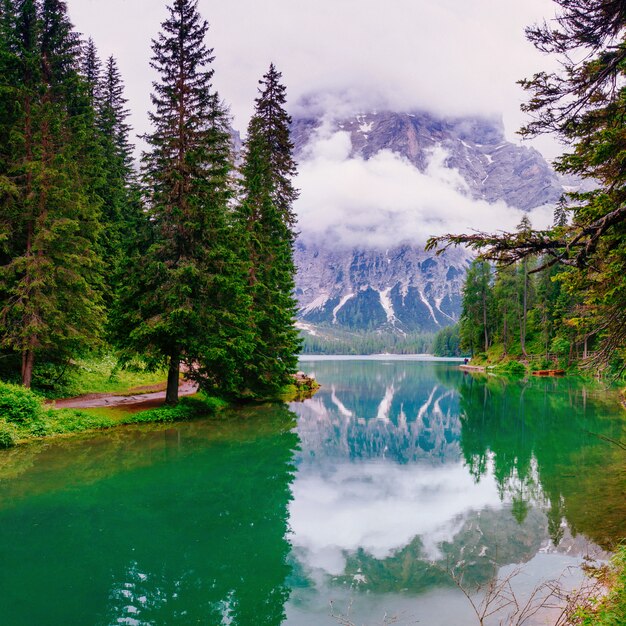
(23, 416)
(102, 375)
(609, 610)
(64, 421)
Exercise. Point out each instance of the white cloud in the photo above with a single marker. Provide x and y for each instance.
(380, 507)
(450, 56)
(385, 200)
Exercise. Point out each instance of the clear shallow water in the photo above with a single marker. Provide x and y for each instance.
(364, 495)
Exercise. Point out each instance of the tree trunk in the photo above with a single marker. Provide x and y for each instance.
(28, 361)
(171, 395)
(505, 332)
(524, 311)
(485, 321)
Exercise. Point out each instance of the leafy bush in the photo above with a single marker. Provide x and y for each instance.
(8, 434)
(39, 428)
(511, 368)
(187, 408)
(19, 405)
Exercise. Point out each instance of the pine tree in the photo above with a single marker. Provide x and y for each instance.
(49, 283)
(186, 300)
(121, 206)
(267, 214)
(9, 113)
(584, 103)
(476, 316)
(91, 68)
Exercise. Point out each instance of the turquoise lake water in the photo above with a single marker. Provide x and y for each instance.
(364, 503)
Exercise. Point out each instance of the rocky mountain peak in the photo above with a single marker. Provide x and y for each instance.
(402, 287)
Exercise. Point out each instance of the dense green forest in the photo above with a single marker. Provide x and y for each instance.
(561, 291)
(513, 311)
(180, 261)
(334, 341)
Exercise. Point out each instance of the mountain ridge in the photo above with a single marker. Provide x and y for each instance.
(401, 287)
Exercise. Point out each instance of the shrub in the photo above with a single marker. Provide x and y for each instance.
(8, 434)
(186, 409)
(512, 368)
(19, 405)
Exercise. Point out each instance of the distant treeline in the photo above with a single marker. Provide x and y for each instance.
(368, 343)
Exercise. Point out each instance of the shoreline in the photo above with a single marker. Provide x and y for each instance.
(473, 368)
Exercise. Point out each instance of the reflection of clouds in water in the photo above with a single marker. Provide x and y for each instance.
(380, 507)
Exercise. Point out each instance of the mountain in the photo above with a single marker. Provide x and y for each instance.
(401, 287)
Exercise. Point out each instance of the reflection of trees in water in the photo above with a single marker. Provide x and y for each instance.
(541, 437)
(483, 542)
(197, 536)
(529, 436)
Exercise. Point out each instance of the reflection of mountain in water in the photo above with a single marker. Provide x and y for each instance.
(374, 411)
(406, 468)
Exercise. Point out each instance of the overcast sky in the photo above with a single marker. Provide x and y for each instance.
(452, 57)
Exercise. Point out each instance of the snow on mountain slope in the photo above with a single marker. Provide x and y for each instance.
(386, 182)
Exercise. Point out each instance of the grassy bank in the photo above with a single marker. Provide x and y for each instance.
(98, 374)
(24, 416)
(610, 609)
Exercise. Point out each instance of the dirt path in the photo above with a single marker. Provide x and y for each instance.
(142, 398)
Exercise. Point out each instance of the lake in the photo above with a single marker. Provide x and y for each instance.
(400, 485)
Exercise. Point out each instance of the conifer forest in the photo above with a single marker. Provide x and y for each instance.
(180, 259)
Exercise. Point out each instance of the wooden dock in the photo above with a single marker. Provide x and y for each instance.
(472, 368)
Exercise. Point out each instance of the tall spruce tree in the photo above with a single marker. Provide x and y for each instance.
(186, 302)
(121, 206)
(476, 320)
(49, 281)
(91, 68)
(267, 214)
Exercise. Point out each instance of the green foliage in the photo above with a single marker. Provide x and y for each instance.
(186, 409)
(49, 422)
(64, 421)
(19, 405)
(583, 102)
(335, 341)
(184, 299)
(528, 314)
(610, 609)
(511, 368)
(9, 434)
(267, 223)
(104, 374)
(50, 273)
(476, 320)
(447, 342)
